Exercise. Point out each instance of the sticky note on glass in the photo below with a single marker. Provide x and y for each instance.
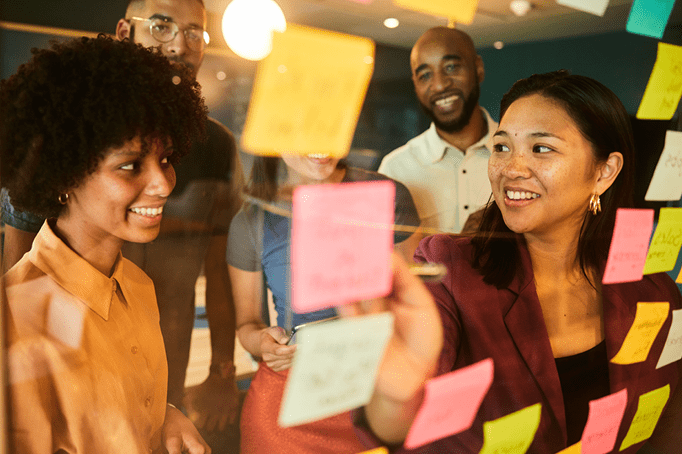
(649, 319)
(596, 7)
(308, 93)
(334, 367)
(672, 351)
(461, 11)
(382, 450)
(603, 422)
(649, 17)
(663, 91)
(666, 242)
(573, 449)
(451, 402)
(629, 245)
(341, 242)
(666, 184)
(511, 434)
(649, 409)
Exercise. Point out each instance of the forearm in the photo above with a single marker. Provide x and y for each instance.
(389, 419)
(250, 336)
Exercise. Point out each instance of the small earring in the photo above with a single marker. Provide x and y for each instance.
(63, 198)
(595, 204)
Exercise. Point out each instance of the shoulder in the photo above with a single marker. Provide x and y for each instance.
(215, 130)
(454, 252)
(404, 155)
(652, 287)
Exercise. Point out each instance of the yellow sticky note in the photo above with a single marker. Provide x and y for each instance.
(665, 85)
(511, 434)
(573, 449)
(666, 242)
(308, 93)
(382, 450)
(461, 11)
(649, 409)
(649, 319)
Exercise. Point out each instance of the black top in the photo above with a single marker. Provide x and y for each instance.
(584, 377)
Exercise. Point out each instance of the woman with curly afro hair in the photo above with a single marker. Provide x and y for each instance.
(89, 132)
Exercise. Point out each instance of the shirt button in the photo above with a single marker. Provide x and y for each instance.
(133, 349)
(147, 401)
(466, 207)
(464, 170)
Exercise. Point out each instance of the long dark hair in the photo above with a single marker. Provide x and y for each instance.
(604, 122)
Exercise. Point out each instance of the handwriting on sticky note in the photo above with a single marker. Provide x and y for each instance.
(666, 184)
(649, 319)
(308, 93)
(596, 7)
(648, 17)
(603, 422)
(666, 242)
(451, 402)
(334, 367)
(341, 241)
(629, 245)
(649, 409)
(664, 88)
(573, 449)
(672, 351)
(461, 11)
(511, 434)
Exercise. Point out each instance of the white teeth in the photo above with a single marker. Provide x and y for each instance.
(447, 101)
(151, 212)
(318, 156)
(521, 195)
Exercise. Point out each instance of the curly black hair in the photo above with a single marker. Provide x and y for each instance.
(62, 111)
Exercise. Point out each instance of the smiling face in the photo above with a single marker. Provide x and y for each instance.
(311, 169)
(123, 199)
(542, 169)
(446, 73)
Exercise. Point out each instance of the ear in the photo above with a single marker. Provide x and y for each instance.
(123, 29)
(480, 70)
(608, 171)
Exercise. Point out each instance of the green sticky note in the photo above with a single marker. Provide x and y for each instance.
(649, 410)
(511, 434)
(665, 245)
(648, 17)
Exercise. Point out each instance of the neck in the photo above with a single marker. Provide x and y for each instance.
(470, 134)
(101, 253)
(554, 255)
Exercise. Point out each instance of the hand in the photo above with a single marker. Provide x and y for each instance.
(412, 353)
(274, 349)
(213, 404)
(180, 435)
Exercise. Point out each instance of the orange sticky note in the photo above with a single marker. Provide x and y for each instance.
(511, 434)
(603, 422)
(629, 245)
(451, 402)
(649, 409)
(308, 93)
(649, 319)
(663, 91)
(341, 242)
(461, 11)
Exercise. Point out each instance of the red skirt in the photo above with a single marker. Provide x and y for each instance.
(260, 432)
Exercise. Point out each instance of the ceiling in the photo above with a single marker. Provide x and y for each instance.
(492, 22)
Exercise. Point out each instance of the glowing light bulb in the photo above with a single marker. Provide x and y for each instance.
(248, 26)
(391, 22)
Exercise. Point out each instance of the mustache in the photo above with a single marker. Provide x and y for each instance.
(180, 61)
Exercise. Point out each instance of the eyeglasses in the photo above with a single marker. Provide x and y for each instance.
(165, 31)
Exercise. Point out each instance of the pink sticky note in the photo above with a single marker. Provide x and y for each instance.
(450, 404)
(603, 422)
(341, 242)
(629, 245)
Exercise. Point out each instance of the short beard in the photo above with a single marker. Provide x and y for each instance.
(459, 123)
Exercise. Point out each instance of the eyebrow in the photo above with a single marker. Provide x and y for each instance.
(533, 135)
(170, 19)
(448, 57)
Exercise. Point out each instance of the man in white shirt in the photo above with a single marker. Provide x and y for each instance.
(446, 167)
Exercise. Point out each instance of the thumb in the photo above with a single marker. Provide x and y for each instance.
(174, 444)
(279, 335)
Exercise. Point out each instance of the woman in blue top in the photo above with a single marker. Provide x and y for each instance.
(259, 242)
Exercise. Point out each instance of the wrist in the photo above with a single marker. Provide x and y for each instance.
(223, 370)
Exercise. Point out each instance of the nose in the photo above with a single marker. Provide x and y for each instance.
(440, 81)
(516, 165)
(178, 45)
(160, 180)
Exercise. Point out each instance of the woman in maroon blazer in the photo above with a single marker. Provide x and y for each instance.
(526, 291)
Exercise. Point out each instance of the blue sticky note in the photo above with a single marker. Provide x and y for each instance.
(649, 17)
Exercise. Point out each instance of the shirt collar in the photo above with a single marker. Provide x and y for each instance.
(436, 146)
(52, 256)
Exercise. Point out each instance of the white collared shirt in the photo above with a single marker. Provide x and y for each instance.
(447, 185)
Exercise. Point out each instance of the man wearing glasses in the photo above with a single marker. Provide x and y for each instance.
(193, 231)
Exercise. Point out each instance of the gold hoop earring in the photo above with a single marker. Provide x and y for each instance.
(595, 204)
(63, 198)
